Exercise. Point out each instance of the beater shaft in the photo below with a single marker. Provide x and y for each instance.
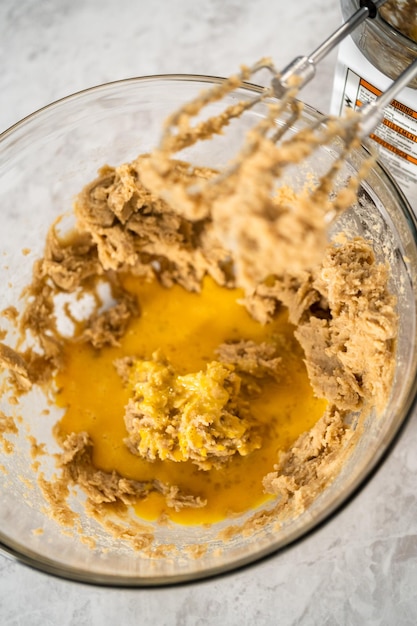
(303, 68)
(372, 112)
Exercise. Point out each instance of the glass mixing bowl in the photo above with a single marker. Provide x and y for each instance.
(44, 161)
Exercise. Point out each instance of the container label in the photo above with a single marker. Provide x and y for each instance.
(396, 135)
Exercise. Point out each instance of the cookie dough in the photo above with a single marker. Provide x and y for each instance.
(342, 311)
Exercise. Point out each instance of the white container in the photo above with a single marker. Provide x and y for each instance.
(367, 61)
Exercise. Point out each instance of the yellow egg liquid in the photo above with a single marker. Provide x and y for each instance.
(187, 327)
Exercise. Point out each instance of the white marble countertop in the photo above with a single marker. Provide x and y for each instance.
(361, 568)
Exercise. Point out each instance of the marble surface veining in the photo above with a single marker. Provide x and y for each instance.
(361, 568)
